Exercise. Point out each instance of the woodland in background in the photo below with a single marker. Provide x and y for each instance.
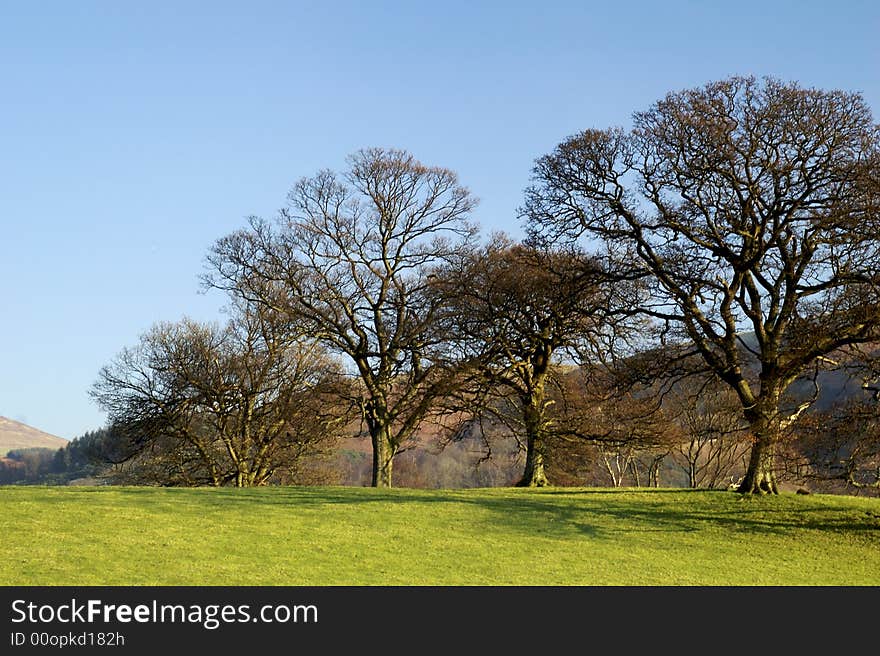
(834, 449)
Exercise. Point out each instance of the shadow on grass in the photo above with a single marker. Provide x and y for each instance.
(593, 513)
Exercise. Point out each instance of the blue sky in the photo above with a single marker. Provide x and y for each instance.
(132, 135)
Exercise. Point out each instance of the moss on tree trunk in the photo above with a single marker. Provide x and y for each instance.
(533, 416)
(760, 476)
(383, 456)
(534, 474)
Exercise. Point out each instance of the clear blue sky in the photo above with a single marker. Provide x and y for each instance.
(134, 134)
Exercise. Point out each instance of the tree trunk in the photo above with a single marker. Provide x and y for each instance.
(760, 476)
(244, 478)
(634, 468)
(379, 424)
(383, 456)
(534, 474)
(533, 415)
(654, 474)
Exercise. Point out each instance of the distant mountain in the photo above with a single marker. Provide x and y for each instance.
(15, 435)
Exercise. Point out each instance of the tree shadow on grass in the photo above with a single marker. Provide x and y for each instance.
(593, 513)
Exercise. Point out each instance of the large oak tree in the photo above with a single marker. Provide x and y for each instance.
(752, 207)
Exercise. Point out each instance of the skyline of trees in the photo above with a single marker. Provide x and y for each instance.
(729, 238)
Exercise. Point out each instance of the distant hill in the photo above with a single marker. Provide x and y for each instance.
(15, 435)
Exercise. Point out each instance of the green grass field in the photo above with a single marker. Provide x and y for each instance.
(364, 536)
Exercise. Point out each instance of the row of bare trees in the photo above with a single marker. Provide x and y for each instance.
(723, 249)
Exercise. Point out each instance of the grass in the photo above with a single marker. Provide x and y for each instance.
(365, 536)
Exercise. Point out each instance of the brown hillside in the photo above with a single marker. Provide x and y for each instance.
(15, 435)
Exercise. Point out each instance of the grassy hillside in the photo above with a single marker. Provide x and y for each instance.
(15, 435)
(364, 536)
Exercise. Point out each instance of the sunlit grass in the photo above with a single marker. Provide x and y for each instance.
(364, 536)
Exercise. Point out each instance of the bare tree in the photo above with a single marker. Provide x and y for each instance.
(202, 404)
(349, 260)
(753, 210)
(514, 312)
(715, 442)
(625, 424)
